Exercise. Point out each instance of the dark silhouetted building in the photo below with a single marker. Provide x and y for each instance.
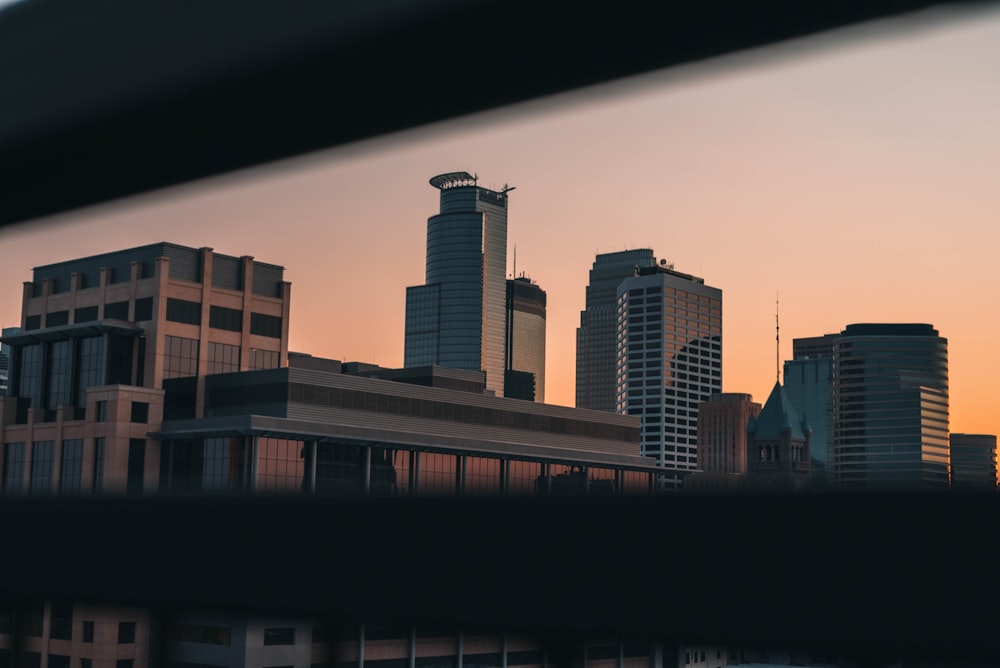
(778, 445)
(890, 392)
(669, 362)
(525, 355)
(814, 347)
(597, 336)
(457, 319)
(973, 461)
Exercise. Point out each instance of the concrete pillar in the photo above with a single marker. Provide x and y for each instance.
(311, 463)
(361, 646)
(254, 457)
(366, 476)
(414, 472)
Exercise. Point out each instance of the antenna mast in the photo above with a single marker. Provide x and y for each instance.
(777, 342)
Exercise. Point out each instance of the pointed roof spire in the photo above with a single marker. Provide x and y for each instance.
(777, 416)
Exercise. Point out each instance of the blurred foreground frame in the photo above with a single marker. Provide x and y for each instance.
(104, 100)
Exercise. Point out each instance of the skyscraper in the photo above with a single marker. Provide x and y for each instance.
(525, 370)
(669, 361)
(890, 389)
(457, 318)
(597, 336)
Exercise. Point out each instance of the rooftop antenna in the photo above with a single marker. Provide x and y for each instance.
(777, 342)
(515, 260)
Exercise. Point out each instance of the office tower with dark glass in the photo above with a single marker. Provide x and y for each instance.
(808, 381)
(457, 318)
(669, 361)
(525, 355)
(890, 394)
(974, 461)
(597, 336)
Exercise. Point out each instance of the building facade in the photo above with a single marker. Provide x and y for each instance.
(597, 336)
(525, 341)
(809, 386)
(101, 339)
(669, 362)
(973, 461)
(457, 318)
(890, 389)
(722, 432)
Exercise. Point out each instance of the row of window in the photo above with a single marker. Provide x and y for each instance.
(188, 312)
(41, 475)
(112, 311)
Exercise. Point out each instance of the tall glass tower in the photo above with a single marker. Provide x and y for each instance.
(890, 402)
(597, 336)
(457, 319)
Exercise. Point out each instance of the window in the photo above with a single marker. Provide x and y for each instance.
(124, 663)
(265, 325)
(33, 619)
(86, 663)
(126, 633)
(101, 411)
(283, 636)
(180, 358)
(88, 632)
(140, 412)
(225, 318)
(136, 465)
(32, 322)
(180, 310)
(223, 358)
(42, 464)
(143, 309)
(71, 469)
(85, 314)
(263, 359)
(62, 622)
(57, 319)
(116, 311)
(58, 661)
(13, 468)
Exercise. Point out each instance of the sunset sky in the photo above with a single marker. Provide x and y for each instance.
(857, 176)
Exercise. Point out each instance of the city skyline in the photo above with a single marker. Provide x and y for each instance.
(881, 150)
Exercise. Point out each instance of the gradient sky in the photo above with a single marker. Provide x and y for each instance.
(855, 175)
